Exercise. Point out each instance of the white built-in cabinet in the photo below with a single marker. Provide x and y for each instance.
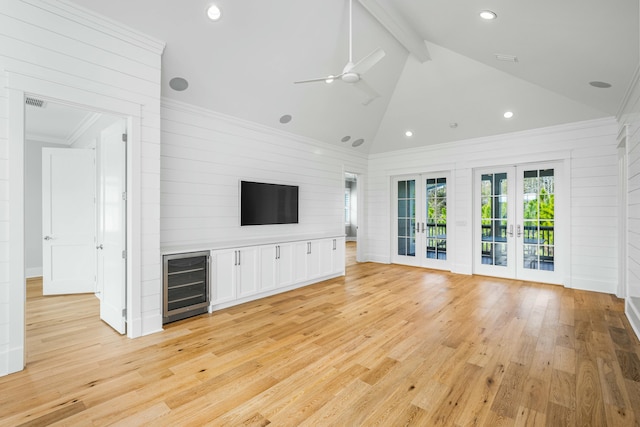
(245, 273)
(234, 273)
(276, 266)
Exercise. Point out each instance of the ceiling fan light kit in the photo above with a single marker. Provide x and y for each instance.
(352, 73)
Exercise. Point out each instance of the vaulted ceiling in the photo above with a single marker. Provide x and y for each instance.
(451, 86)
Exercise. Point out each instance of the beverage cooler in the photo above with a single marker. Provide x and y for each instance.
(186, 285)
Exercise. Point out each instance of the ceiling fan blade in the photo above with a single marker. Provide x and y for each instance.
(312, 80)
(322, 79)
(368, 90)
(368, 61)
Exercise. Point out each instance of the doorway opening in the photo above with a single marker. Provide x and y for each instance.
(351, 201)
(74, 210)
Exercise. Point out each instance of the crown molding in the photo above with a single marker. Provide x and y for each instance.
(531, 133)
(635, 82)
(84, 16)
(257, 127)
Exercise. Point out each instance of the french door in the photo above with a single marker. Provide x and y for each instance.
(518, 212)
(421, 234)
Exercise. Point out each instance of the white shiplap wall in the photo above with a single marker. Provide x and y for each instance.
(588, 149)
(630, 117)
(54, 49)
(204, 157)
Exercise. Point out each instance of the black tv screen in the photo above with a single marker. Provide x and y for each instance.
(262, 203)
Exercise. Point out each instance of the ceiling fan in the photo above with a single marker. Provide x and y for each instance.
(352, 73)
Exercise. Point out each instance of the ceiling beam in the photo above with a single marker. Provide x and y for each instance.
(399, 28)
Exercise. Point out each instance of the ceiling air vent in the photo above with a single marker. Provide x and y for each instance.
(34, 102)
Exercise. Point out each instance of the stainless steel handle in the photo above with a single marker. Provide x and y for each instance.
(423, 227)
(519, 229)
(100, 246)
(239, 258)
(511, 230)
(48, 238)
(334, 244)
(235, 257)
(308, 248)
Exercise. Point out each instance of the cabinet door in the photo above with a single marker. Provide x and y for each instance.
(324, 256)
(284, 266)
(338, 258)
(223, 276)
(300, 255)
(268, 263)
(247, 275)
(315, 258)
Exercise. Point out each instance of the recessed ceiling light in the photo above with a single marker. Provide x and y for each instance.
(178, 83)
(409, 133)
(601, 85)
(214, 13)
(453, 125)
(285, 119)
(488, 15)
(508, 114)
(329, 79)
(357, 142)
(345, 138)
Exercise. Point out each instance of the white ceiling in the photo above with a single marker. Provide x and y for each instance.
(64, 125)
(245, 64)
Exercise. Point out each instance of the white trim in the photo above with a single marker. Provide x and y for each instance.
(17, 86)
(16, 356)
(623, 211)
(283, 138)
(33, 272)
(83, 16)
(635, 82)
(521, 137)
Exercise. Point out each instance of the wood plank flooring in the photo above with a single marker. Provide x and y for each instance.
(385, 345)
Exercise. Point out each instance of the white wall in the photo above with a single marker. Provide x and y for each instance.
(204, 157)
(58, 51)
(590, 150)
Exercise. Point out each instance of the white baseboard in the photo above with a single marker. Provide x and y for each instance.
(33, 272)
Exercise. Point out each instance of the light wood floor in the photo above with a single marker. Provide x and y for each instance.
(385, 345)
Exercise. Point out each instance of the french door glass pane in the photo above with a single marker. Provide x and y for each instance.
(407, 218)
(436, 207)
(494, 209)
(539, 218)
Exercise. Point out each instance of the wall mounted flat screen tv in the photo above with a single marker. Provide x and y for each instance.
(262, 203)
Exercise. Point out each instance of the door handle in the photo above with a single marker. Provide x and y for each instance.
(423, 227)
(519, 230)
(48, 238)
(100, 246)
(511, 230)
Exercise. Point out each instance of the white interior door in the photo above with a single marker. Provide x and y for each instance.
(516, 222)
(111, 244)
(68, 221)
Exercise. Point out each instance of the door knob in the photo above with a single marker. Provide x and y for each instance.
(48, 238)
(99, 246)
